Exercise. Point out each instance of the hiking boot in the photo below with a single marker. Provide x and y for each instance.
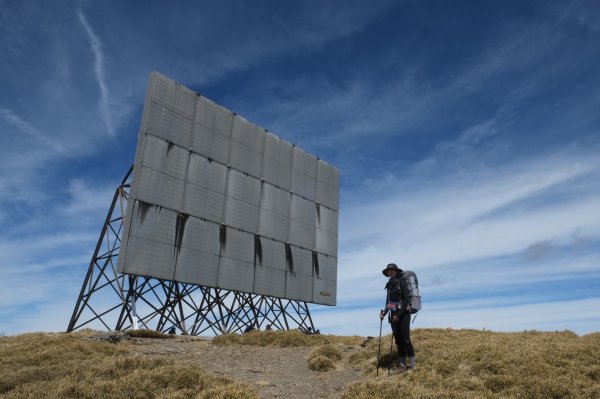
(413, 362)
(397, 371)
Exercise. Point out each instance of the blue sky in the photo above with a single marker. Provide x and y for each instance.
(467, 135)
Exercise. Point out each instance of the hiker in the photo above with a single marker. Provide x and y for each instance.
(269, 327)
(399, 315)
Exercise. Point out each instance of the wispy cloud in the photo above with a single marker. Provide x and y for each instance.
(370, 100)
(25, 127)
(96, 46)
(555, 315)
(87, 197)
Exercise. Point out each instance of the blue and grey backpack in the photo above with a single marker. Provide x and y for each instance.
(414, 296)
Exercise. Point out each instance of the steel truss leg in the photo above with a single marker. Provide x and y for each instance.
(112, 300)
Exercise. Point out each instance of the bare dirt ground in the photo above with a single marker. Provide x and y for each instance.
(273, 372)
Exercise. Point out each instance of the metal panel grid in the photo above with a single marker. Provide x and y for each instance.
(304, 174)
(203, 203)
(328, 185)
(273, 225)
(237, 174)
(236, 265)
(304, 185)
(302, 223)
(165, 157)
(205, 190)
(153, 223)
(299, 286)
(238, 245)
(247, 147)
(302, 261)
(325, 291)
(174, 96)
(327, 231)
(236, 275)
(197, 267)
(243, 187)
(212, 131)
(242, 201)
(206, 173)
(327, 196)
(169, 125)
(241, 215)
(150, 258)
(274, 213)
(272, 254)
(326, 242)
(161, 189)
(198, 257)
(172, 111)
(277, 164)
(269, 281)
(327, 267)
(201, 235)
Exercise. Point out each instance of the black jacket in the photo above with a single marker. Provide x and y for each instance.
(397, 292)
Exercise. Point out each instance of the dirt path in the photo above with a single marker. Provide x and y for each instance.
(274, 372)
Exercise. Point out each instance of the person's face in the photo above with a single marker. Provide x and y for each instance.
(392, 273)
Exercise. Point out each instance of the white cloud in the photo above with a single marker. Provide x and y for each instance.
(96, 46)
(88, 198)
(559, 315)
(27, 128)
(370, 103)
(46, 307)
(479, 214)
(581, 316)
(520, 279)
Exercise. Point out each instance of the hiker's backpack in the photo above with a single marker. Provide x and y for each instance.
(414, 297)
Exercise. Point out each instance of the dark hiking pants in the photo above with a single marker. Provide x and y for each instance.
(401, 331)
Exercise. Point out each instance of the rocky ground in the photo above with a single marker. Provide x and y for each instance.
(274, 372)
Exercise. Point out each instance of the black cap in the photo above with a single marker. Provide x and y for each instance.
(391, 266)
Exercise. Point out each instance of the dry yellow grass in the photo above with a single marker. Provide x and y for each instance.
(450, 364)
(323, 358)
(320, 363)
(147, 334)
(71, 366)
(485, 364)
(283, 339)
(329, 351)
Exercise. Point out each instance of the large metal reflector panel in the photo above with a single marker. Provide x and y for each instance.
(218, 201)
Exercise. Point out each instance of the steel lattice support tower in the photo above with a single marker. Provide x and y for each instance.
(121, 301)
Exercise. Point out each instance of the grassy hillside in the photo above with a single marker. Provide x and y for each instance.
(485, 364)
(450, 364)
(72, 366)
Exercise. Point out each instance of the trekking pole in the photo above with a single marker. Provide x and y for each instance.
(379, 346)
(391, 346)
